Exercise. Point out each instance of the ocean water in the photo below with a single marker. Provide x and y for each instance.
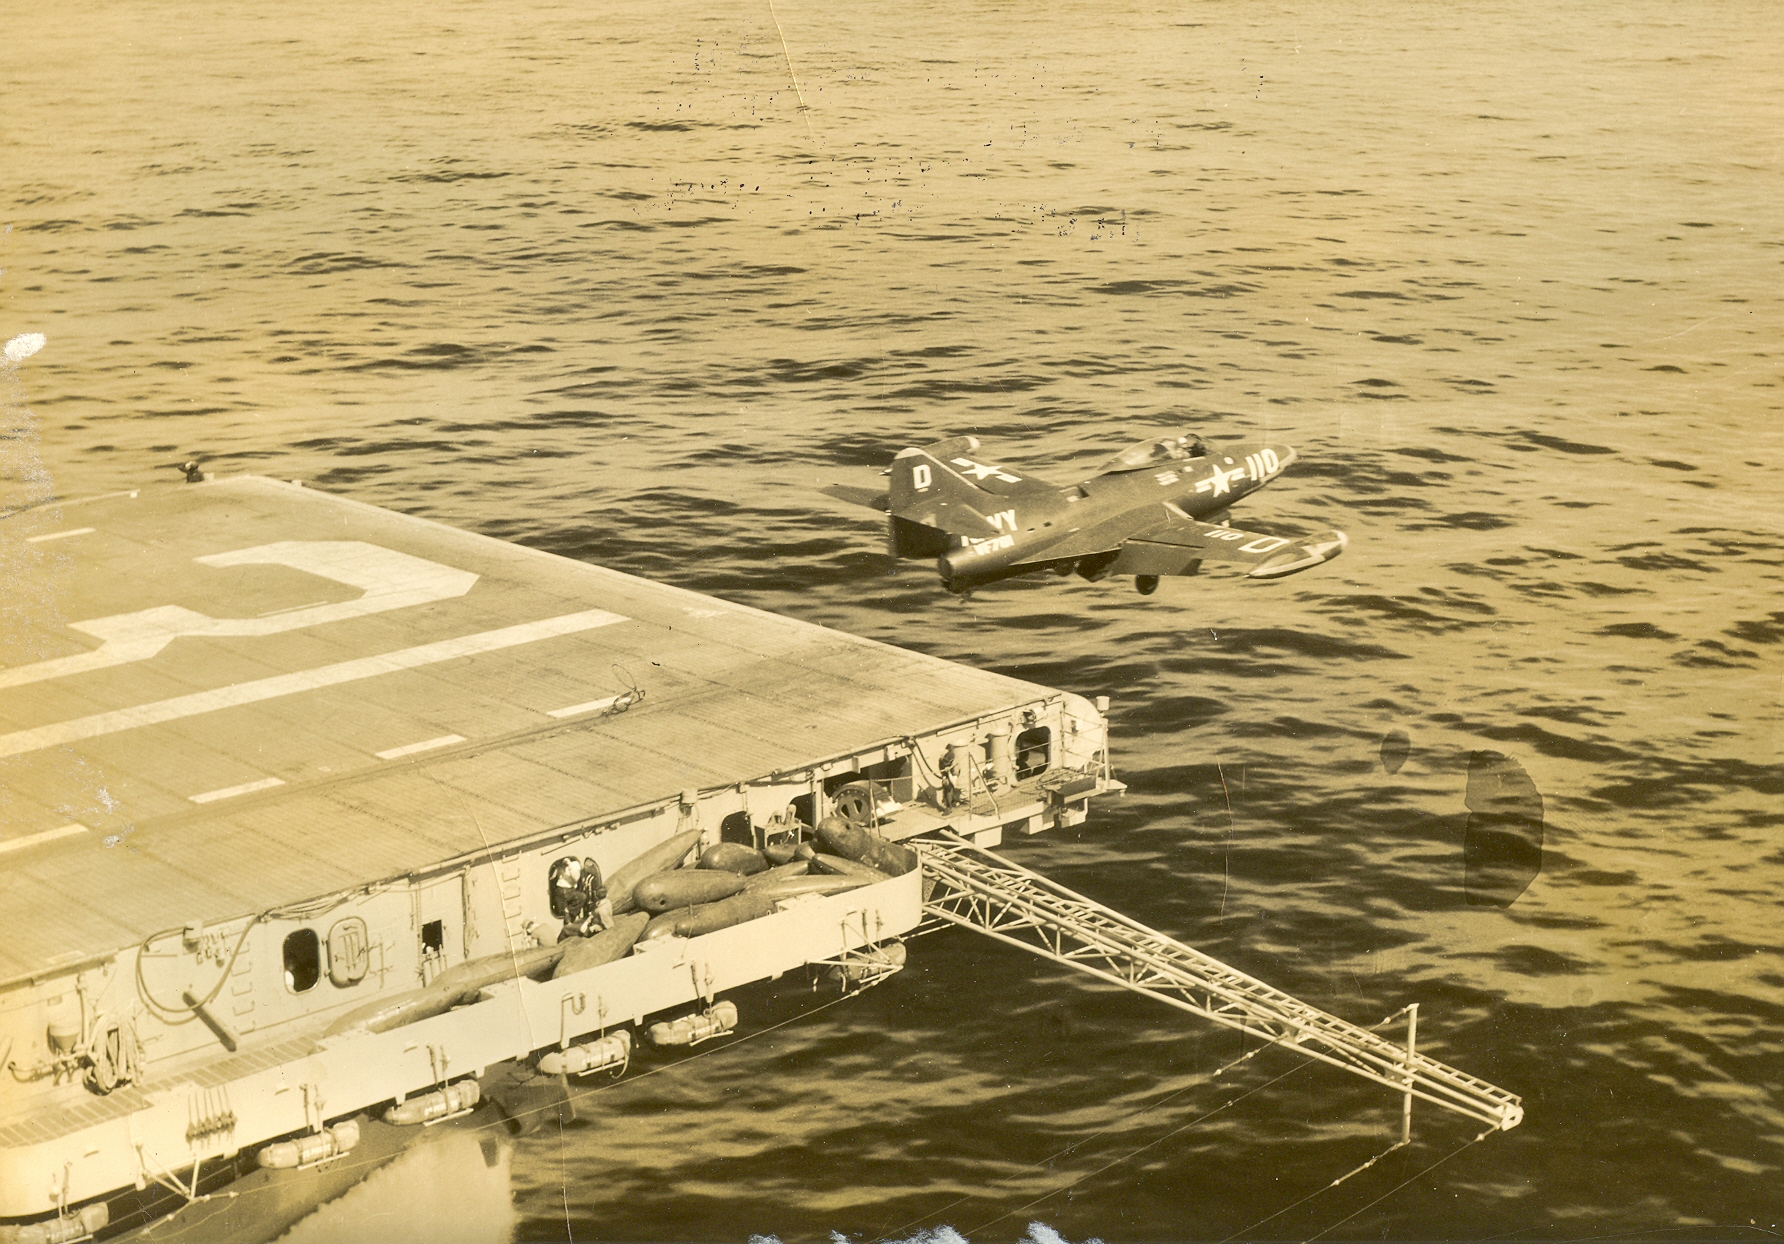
(627, 282)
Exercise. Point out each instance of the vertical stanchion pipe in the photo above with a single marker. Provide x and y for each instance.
(1412, 1036)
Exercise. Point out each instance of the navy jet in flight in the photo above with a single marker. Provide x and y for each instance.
(1157, 508)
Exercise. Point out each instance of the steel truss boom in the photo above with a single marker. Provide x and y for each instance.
(983, 891)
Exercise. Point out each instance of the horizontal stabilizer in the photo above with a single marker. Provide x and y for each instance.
(872, 498)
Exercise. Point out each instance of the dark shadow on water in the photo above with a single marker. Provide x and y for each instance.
(1395, 748)
(1502, 844)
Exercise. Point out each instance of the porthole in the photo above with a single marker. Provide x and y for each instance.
(303, 960)
(737, 828)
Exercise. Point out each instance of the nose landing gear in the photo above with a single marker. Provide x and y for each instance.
(1146, 584)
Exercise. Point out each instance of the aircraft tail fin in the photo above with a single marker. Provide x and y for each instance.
(929, 491)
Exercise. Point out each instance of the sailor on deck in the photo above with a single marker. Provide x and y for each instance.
(579, 897)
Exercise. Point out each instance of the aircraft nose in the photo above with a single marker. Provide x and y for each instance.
(1264, 461)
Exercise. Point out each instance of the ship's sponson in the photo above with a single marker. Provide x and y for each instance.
(341, 751)
(233, 1104)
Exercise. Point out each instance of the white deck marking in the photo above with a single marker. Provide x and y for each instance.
(273, 613)
(37, 840)
(389, 579)
(230, 792)
(576, 710)
(59, 535)
(427, 745)
(158, 711)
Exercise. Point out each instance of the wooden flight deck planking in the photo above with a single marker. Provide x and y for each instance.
(158, 757)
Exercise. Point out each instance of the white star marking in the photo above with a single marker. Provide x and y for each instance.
(979, 471)
(1220, 481)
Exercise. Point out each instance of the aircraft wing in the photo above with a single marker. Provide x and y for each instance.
(869, 497)
(1179, 545)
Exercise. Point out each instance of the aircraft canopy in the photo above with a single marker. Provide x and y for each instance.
(1155, 450)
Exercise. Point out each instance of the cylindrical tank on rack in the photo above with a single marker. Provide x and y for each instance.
(959, 761)
(1000, 757)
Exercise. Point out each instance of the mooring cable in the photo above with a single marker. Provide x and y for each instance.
(1357, 1170)
(1193, 1122)
(1105, 1130)
(1390, 1192)
(1027, 1205)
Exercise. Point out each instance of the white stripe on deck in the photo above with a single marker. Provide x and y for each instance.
(576, 710)
(181, 706)
(37, 840)
(230, 792)
(426, 745)
(389, 580)
(59, 535)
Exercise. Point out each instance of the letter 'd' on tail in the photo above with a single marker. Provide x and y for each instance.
(927, 490)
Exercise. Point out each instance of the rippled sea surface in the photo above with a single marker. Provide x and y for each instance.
(627, 281)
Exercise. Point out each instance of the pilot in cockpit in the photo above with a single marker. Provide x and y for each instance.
(1183, 447)
(1165, 449)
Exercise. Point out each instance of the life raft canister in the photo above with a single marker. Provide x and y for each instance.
(454, 1099)
(63, 1229)
(693, 1029)
(308, 1150)
(612, 1050)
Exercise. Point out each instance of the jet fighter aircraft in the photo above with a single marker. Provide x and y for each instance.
(1157, 508)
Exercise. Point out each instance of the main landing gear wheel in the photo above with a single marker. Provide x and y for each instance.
(1146, 584)
(854, 804)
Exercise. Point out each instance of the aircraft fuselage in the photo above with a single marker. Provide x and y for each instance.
(1082, 526)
